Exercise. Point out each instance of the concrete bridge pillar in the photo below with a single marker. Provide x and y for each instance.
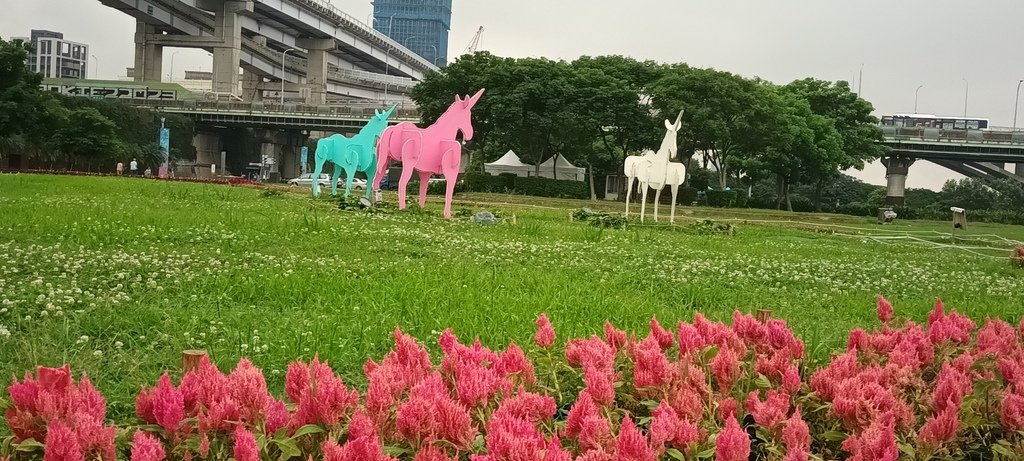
(252, 86)
(209, 148)
(896, 170)
(282, 149)
(228, 29)
(1018, 169)
(316, 67)
(149, 56)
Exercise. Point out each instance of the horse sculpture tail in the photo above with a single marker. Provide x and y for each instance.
(383, 156)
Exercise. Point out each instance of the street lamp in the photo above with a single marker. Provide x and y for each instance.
(1015, 104)
(967, 91)
(387, 71)
(860, 80)
(406, 43)
(391, 20)
(918, 90)
(282, 72)
(96, 72)
(170, 75)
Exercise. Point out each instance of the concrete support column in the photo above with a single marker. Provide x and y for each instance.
(149, 57)
(252, 85)
(896, 170)
(316, 68)
(208, 152)
(227, 27)
(1018, 169)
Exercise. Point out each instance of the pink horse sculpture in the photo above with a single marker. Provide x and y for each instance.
(432, 150)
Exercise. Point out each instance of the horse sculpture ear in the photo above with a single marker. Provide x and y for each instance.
(679, 125)
(669, 125)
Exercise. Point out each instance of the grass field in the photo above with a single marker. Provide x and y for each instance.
(117, 276)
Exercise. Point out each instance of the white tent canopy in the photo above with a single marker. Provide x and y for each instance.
(508, 163)
(564, 169)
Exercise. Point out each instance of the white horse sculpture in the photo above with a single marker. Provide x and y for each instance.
(655, 170)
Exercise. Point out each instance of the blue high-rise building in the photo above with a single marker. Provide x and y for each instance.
(420, 25)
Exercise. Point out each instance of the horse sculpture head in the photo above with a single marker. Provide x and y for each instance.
(378, 122)
(458, 115)
(671, 136)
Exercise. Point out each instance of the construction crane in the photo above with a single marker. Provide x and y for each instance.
(475, 42)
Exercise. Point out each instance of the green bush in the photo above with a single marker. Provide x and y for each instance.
(687, 195)
(722, 198)
(544, 187)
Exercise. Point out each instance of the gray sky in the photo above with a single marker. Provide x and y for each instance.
(900, 44)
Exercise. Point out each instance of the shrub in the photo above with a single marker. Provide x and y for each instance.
(600, 218)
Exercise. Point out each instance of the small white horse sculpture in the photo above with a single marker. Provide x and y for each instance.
(655, 170)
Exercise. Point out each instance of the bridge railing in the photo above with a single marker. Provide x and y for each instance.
(360, 108)
(956, 136)
(343, 75)
(341, 18)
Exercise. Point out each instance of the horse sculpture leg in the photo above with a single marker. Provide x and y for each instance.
(629, 191)
(316, 176)
(350, 173)
(407, 168)
(643, 203)
(334, 180)
(424, 182)
(657, 200)
(451, 163)
(672, 216)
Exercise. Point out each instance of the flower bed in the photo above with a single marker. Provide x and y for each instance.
(234, 181)
(703, 390)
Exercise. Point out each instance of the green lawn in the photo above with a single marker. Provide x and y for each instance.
(117, 276)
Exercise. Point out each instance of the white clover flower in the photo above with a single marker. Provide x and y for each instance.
(97, 353)
(118, 344)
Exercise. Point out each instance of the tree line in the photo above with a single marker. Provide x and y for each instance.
(595, 111)
(53, 131)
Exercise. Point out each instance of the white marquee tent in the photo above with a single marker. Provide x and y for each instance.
(564, 169)
(509, 163)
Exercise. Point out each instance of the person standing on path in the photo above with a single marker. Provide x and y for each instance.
(120, 168)
(134, 167)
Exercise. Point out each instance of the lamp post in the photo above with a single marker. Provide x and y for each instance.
(860, 80)
(967, 92)
(916, 92)
(170, 75)
(391, 21)
(282, 72)
(387, 70)
(96, 71)
(406, 43)
(1015, 104)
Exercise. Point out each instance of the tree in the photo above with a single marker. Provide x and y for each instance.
(27, 114)
(87, 136)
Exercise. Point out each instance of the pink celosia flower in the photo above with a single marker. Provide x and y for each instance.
(430, 413)
(663, 336)
(600, 384)
(204, 446)
(772, 411)
(245, 445)
(797, 438)
(858, 339)
(528, 406)
(320, 396)
(953, 327)
(998, 338)
(727, 408)
(689, 338)
(249, 389)
(884, 310)
(951, 386)
(876, 443)
(651, 366)
(277, 416)
(555, 452)
(615, 338)
(363, 443)
(750, 330)
(145, 447)
(826, 381)
(592, 351)
(61, 444)
(585, 424)
(432, 453)
(726, 368)
(941, 427)
(595, 455)
(913, 349)
(1011, 413)
(667, 428)
(732, 444)
(90, 401)
(165, 403)
(631, 445)
(791, 381)
(545, 335)
(514, 366)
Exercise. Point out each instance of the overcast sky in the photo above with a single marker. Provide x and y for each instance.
(900, 44)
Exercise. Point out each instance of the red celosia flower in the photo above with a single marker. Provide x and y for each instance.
(555, 452)
(600, 384)
(951, 386)
(663, 336)
(591, 351)
(430, 413)
(515, 367)
(941, 427)
(727, 408)
(750, 330)
(61, 443)
(432, 453)
(772, 411)
(363, 443)
(245, 445)
(913, 349)
(632, 445)
(726, 368)
(791, 381)
(826, 381)
(998, 338)
(528, 406)
(249, 388)
(277, 416)
(320, 395)
(615, 338)
(797, 438)
(145, 447)
(545, 336)
(90, 401)
(595, 455)
(884, 310)
(1011, 413)
(732, 444)
(164, 405)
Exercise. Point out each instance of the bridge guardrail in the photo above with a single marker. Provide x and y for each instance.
(344, 75)
(954, 136)
(403, 112)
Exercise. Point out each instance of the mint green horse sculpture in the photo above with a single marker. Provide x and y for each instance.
(354, 154)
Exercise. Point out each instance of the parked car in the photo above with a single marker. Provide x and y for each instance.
(306, 180)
